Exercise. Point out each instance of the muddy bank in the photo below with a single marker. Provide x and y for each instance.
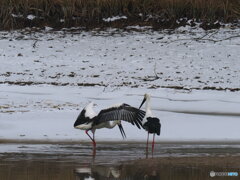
(181, 168)
(116, 161)
(218, 161)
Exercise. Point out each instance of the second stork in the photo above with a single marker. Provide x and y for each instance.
(150, 122)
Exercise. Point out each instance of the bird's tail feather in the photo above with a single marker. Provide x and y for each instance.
(122, 131)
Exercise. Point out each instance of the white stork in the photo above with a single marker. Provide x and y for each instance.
(108, 118)
(150, 122)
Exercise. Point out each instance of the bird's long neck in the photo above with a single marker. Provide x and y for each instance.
(148, 108)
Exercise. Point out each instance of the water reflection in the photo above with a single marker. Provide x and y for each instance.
(160, 168)
(98, 172)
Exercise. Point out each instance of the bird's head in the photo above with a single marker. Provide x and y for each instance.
(146, 96)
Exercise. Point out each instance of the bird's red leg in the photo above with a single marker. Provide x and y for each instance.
(153, 143)
(94, 144)
(89, 135)
(94, 153)
(93, 140)
(147, 145)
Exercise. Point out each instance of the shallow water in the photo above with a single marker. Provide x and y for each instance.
(116, 161)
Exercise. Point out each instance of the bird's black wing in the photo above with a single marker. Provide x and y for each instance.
(82, 119)
(123, 112)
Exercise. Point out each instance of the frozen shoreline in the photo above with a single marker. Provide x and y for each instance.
(41, 113)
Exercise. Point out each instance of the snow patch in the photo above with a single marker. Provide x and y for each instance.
(114, 18)
(31, 17)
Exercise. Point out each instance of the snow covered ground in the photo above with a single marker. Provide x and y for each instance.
(47, 77)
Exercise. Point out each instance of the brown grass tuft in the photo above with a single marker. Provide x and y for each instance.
(66, 13)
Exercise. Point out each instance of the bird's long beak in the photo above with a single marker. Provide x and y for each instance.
(122, 131)
(144, 99)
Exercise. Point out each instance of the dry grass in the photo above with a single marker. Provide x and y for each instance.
(65, 13)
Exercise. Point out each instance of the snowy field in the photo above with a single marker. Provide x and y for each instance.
(185, 58)
(47, 77)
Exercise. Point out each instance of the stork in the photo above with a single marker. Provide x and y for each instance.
(150, 122)
(108, 118)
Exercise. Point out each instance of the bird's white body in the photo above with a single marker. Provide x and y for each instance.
(85, 126)
(108, 124)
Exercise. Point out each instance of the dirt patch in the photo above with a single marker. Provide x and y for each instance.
(28, 83)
